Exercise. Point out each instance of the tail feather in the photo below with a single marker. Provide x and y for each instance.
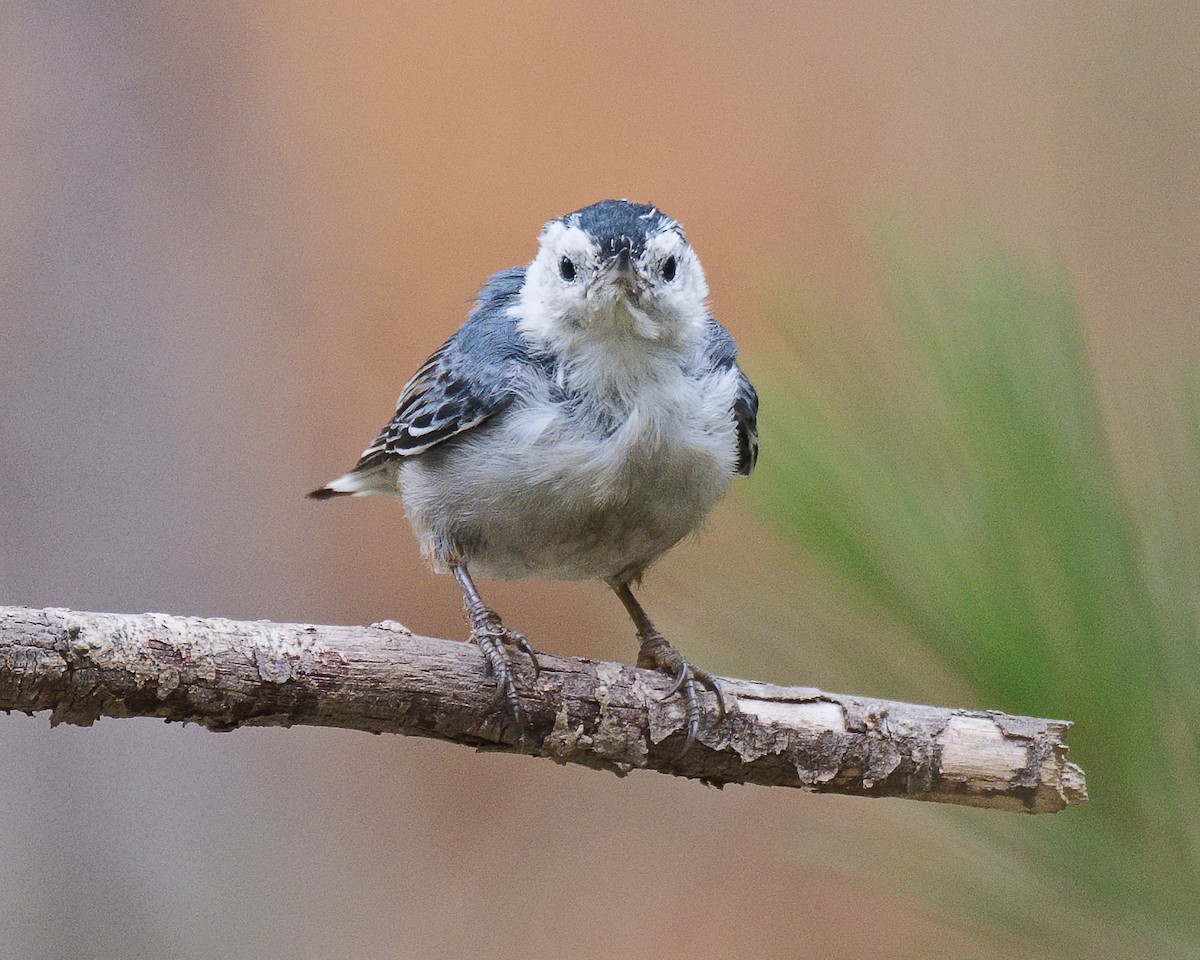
(380, 478)
(325, 493)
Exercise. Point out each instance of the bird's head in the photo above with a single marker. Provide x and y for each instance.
(614, 269)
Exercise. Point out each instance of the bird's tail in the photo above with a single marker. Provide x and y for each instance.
(379, 478)
(325, 492)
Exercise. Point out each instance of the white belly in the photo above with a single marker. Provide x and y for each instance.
(543, 490)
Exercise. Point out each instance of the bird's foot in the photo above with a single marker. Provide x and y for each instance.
(657, 654)
(492, 637)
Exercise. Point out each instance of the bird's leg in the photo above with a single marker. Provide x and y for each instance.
(656, 654)
(491, 635)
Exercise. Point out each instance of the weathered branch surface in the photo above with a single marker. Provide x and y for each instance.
(225, 674)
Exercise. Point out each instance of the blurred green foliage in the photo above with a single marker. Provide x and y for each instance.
(954, 470)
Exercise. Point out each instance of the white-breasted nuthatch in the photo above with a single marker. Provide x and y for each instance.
(581, 422)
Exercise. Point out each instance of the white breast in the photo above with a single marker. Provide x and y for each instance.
(596, 485)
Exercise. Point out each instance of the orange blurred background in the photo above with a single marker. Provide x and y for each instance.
(229, 234)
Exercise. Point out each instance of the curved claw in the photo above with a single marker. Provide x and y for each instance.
(680, 679)
(692, 730)
(522, 643)
(692, 710)
(686, 681)
(510, 696)
(496, 664)
(491, 635)
(709, 682)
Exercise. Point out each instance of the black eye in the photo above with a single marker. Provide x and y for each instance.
(567, 269)
(668, 269)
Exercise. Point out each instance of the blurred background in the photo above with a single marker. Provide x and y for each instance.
(958, 245)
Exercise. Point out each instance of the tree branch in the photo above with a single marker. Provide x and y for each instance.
(225, 674)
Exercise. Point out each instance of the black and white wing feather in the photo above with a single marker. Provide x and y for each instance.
(444, 397)
(468, 379)
(721, 353)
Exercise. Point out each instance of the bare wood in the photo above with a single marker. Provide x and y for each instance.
(225, 674)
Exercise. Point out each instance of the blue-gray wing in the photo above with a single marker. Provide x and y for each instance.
(467, 380)
(721, 354)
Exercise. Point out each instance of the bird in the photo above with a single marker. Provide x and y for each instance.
(583, 420)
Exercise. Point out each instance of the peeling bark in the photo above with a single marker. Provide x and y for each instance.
(225, 674)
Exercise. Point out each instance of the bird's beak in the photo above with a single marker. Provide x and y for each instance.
(619, 272)
(623, 264)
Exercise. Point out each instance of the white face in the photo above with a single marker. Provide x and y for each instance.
(576, 288)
